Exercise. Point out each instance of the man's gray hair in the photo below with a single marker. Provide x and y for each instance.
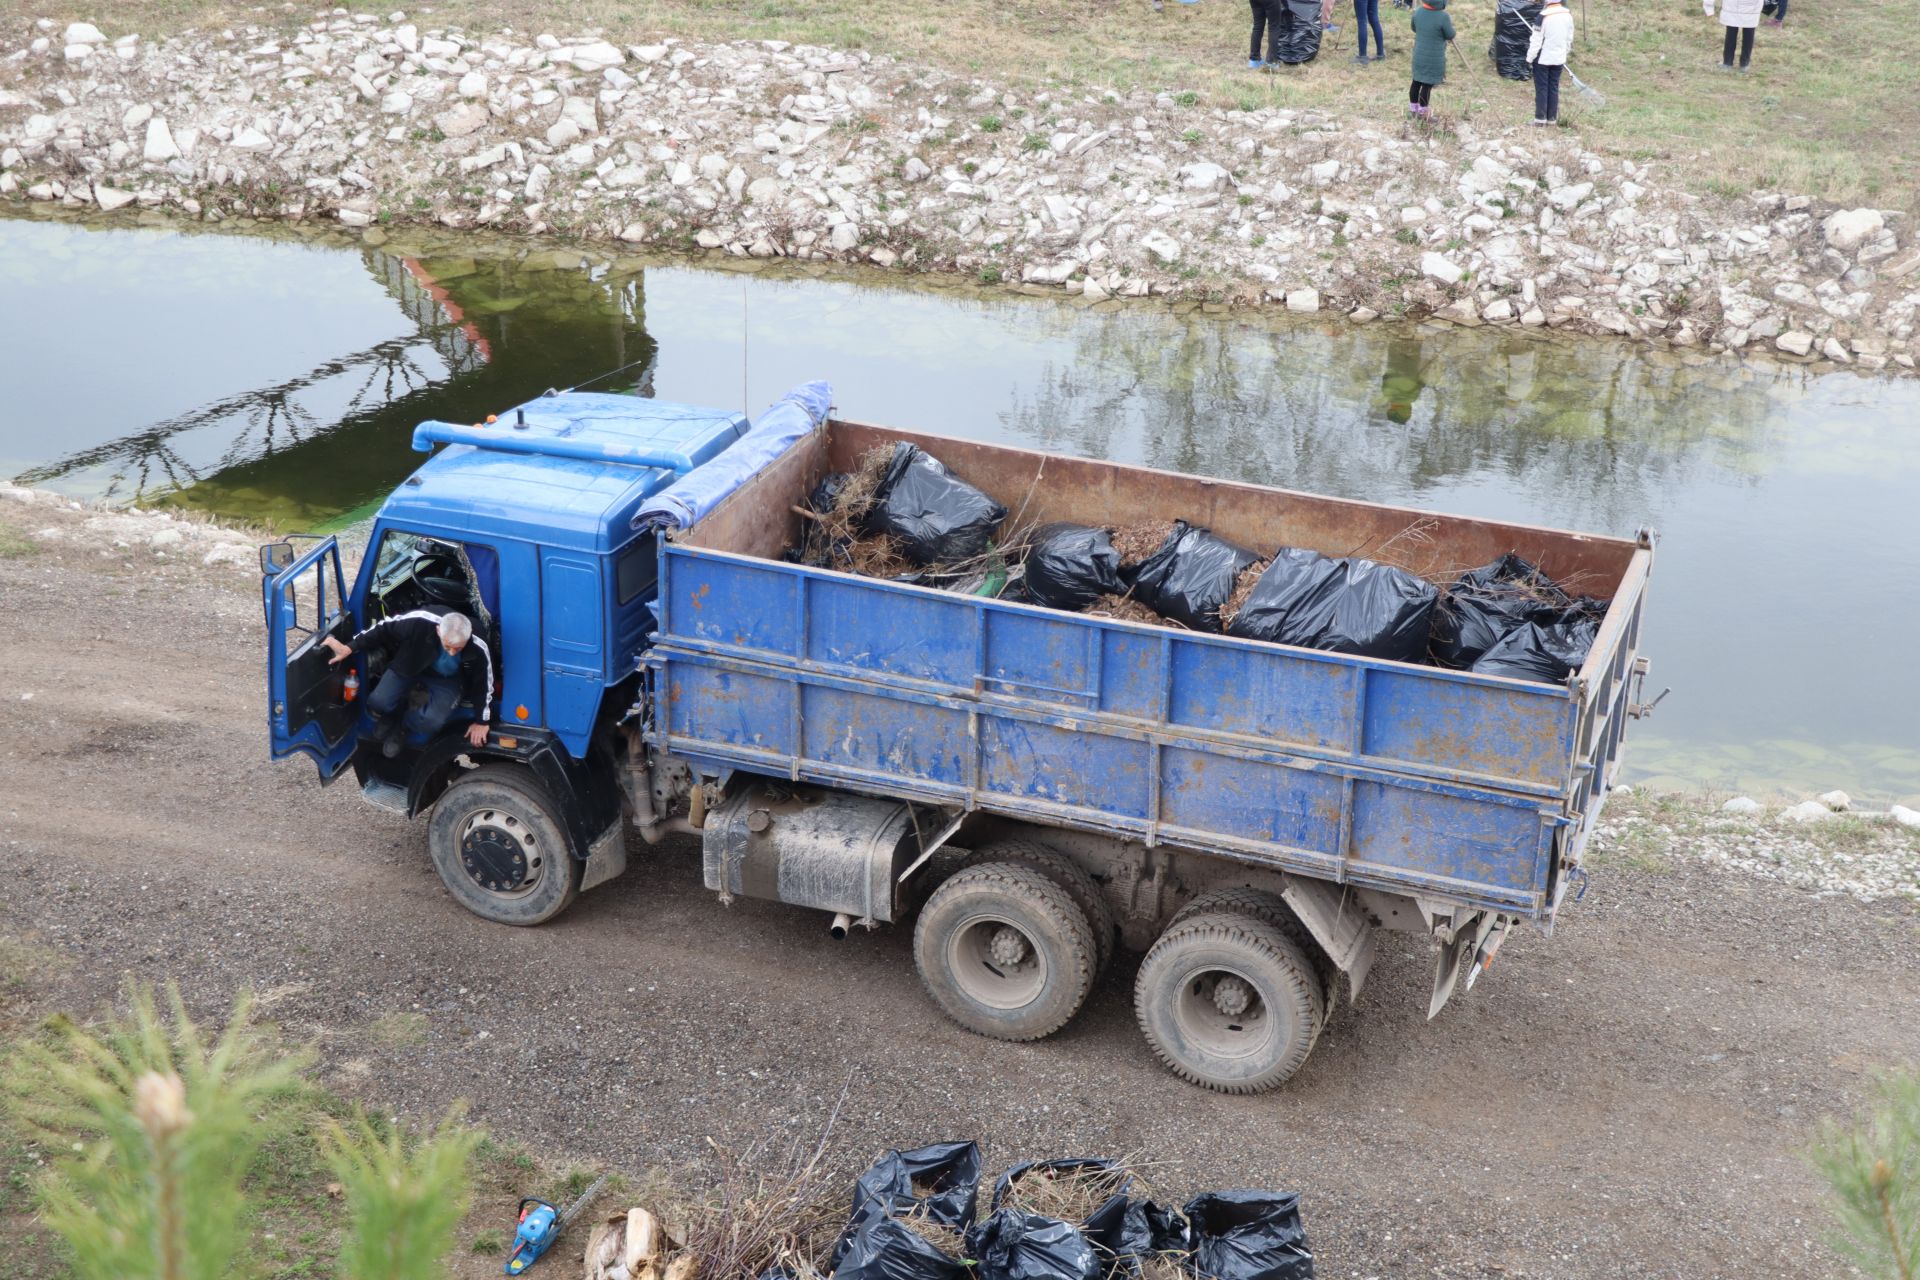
(455, 628)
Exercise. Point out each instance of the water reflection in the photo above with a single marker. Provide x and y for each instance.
(1401, 384)
(282, 381)
(309, 449)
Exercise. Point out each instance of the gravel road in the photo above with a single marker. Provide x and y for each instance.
(1629, 1097)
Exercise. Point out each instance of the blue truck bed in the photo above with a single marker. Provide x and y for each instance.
(1447, 785)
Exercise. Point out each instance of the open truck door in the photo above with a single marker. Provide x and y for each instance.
(309, 710)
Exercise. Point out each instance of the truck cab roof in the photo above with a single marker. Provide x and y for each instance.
(567, 469)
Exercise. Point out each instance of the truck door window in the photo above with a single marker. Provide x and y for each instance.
(313, 606)
(637, 568)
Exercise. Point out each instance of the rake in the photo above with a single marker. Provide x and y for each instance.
(1587, 91)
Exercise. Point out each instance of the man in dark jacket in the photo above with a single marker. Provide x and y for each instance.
(437, 651)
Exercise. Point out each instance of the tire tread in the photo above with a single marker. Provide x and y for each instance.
(1236, 929)
(1041, 891)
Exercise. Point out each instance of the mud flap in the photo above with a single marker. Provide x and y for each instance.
(606, 856)
(1456, 957)
(1338, 924)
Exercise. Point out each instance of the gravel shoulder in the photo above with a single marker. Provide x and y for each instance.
(1630, 1096)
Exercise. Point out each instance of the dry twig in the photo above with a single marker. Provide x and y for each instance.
(769, 1207)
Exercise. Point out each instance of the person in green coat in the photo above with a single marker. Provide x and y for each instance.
(1432, 31)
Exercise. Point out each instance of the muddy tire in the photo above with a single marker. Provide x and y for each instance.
(499, 850)
(1069, 875)
(1005, 951)
(1229, 1003)
(1270, 909)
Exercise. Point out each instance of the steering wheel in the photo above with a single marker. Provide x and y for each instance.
(439, 578)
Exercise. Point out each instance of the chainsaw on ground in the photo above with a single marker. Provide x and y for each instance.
(541, 1223)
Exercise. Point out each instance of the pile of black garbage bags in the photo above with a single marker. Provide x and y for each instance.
(1220, 1235)
(1506, 618)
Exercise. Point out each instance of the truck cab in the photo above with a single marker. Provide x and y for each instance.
(525, 524)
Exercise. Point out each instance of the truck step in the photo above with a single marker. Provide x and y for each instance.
(386, 795)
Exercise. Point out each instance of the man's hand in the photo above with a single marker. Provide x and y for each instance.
(477, 735)
(338, 650)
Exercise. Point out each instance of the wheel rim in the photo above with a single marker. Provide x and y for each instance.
(1222, 1012)
(996, 963)
(500, 855)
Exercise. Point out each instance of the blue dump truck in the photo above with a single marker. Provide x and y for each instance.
(1032, 788)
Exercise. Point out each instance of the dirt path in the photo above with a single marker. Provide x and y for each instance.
(1629, 1097)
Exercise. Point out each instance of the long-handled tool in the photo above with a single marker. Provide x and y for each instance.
(1587, 91)
(1462, 57)
(541, 1223)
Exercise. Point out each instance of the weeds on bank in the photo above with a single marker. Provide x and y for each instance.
(14, 543)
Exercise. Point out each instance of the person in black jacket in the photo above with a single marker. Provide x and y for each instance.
(438, 651)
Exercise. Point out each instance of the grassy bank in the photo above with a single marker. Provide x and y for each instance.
(1828, 111)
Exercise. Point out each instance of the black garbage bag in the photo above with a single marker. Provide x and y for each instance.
(1011, 1245)
(1514, 573)
(938, 517)
(1141, 1230)
(887, 1250)
(1190, 576)
(1354, 606)
(1069, 566)
(1484, 604)
(1062, 1168)
(1514, 23)
(818, 547)
(1547, 651)
(948, 1178)
(1299, 31)
(1248, 1235)
(826, 494)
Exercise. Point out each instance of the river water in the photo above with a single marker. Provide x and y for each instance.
(278, 378)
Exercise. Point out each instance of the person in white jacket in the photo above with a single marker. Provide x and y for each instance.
(1547, 54)
(1741, 18)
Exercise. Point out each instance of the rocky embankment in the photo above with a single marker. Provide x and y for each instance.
(765, 149)
(1825, 845)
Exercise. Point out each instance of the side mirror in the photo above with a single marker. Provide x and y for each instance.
(275, 556)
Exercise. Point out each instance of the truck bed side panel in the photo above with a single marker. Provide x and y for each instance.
(1256, 752)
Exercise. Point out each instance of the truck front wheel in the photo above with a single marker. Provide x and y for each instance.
(1229, 1002)
(1004, 951)
(499, 850)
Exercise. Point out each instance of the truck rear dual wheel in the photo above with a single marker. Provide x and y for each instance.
(1069, 875)
(1005, 951)
(499, 850)
(1229, 1002)
(1270, 909)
